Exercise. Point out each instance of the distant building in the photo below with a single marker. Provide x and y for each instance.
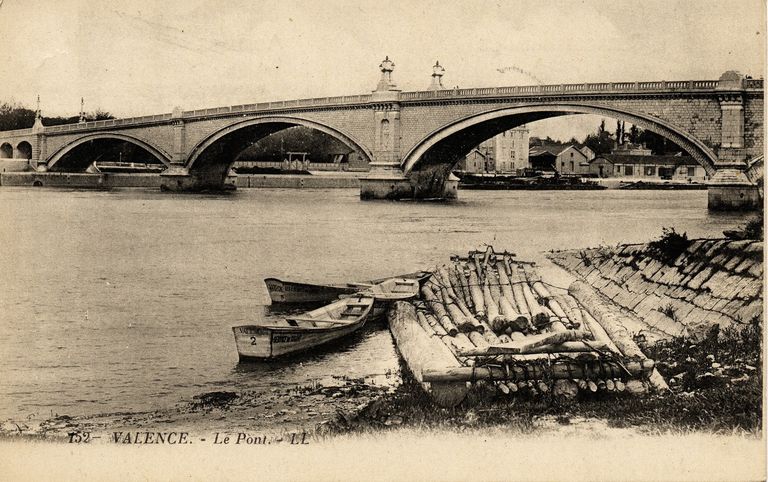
(630, 149)
(475, 162)
(676, 167)
(566, 159)
(588, 152)
(571, 160)
(542, 159)
(505, 153)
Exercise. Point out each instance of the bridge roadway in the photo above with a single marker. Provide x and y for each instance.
(412, 140)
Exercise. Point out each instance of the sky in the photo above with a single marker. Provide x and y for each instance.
(143, 57)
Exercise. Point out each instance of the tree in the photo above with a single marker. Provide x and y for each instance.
(319, 146)
(657, 144)
(15, 116)
(601, 142)
(633, 133)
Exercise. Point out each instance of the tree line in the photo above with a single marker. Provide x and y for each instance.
(16, 116)
(604, 141)
(320, 147)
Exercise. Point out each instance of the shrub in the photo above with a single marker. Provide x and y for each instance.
(669, 246)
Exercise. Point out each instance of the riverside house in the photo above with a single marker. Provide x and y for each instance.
(643, 167)
(566, 159)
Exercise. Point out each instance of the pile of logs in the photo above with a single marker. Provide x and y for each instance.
(502, 323)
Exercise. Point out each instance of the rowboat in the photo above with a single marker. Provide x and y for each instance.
(292, 292)
(394, 289)
(267, 340)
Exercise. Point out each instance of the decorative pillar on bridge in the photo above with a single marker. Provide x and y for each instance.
(437, 77)
(37, 161)
(386, 179)
(730, 188)
(176, 176)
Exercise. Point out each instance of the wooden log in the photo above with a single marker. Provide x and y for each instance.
(561, 369)
(464, 323)
(572, 309)
(554, 321)
(508, 264)
(477, 295)
(503, 388)
(515, 320)
(538, 317)
(598, 333)
(495, 320)
(517, 291)
(607, 316)
(477, 339)
(555, 348)
(558, 310)
(493, 284)
(457, 317)
(565, 389)
(465, 287)
(487, 256)
(474, 323)
(438, 309)
(505, 285)
(453, 277)
(488, 334)
(541, 291)
(446, 281)
(529, 343)
(477, 263)
(456, 344)
(421, 354)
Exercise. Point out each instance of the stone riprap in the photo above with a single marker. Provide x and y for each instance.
(713, 282)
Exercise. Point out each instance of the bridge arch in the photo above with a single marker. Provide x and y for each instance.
(24, 150)
(6, 151)
(235, 137)
(158, 153)
(449, 143)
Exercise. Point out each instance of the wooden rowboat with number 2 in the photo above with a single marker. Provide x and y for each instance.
(272, 339)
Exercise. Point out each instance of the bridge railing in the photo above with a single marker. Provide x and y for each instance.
(588, 87)
(109, 123)
(405, 96)
(280, 104)
(18, 132)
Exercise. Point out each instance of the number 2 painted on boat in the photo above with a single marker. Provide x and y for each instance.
(253, 340)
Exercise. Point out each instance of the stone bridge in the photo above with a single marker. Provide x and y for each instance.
(412, 140)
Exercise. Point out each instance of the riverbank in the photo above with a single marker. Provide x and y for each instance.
(317, 180)
(727, 401)
(713, 366)
(154, 181)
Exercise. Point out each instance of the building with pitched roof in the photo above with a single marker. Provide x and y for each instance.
(566, 159)
(639, 167)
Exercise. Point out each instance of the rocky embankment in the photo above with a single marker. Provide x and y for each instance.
(676, 287)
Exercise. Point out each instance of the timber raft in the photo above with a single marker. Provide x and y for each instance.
(490, 319)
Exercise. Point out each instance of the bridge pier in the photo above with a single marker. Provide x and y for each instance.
(178, 178)
(391, 183)
(731, 190)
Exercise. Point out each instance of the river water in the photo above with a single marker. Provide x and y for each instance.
(124, 300)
